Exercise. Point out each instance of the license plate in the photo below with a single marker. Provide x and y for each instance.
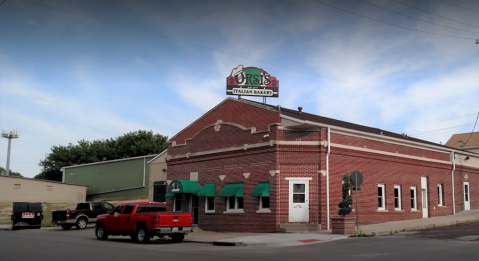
(28, 215)
(175, 229)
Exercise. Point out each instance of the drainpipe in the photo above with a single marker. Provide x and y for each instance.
(327, 178)
(452, 178)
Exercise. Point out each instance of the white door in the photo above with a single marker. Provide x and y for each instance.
(467, 200)
(298, 199)
(425, 212)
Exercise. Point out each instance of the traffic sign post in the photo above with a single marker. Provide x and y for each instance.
(356, 180)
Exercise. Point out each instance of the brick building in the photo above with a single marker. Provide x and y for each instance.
(247, 166)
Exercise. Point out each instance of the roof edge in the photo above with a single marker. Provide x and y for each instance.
(108, 161)
(438, 147)
(157, 156)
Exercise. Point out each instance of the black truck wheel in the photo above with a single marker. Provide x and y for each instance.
(177, 237)
(66, 226)
(101, 233)
(81, 223)
(142, 236)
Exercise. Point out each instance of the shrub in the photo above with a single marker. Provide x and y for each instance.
(344, 206)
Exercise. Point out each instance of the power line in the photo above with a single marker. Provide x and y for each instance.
(3, 2)
(416, 18)
(248, 58)
(379, 21)
(427, 122)
(459, 6)
(472, 129)
(436, 133)
(434, 14)
(440, 129)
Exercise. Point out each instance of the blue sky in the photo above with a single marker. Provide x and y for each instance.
(72, 70)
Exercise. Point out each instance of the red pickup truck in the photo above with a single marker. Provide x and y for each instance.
(142, 221)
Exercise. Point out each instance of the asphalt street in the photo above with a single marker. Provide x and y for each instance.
(76, 245)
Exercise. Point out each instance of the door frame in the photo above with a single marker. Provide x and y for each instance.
(298, 180)
(467, 203)
(424, 198)
(194, 208)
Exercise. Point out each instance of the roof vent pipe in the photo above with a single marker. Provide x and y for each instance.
(300, 109)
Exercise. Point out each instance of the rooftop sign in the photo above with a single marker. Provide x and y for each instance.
(251, 81)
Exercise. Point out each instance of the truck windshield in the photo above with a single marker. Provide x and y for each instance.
(150, 208)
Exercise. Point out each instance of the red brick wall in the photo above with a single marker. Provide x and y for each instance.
(388, 147)
(227, 136)
(388, 170)
(257, 162)
(233, 111)
(299, 135)
(473, 179)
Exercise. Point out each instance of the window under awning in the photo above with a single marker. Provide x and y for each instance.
(262, 190)
(182, 186)
(232, 190)
(208, 190)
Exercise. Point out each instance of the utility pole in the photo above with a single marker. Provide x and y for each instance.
(10, 135)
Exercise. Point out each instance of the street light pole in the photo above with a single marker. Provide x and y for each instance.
(10, 135)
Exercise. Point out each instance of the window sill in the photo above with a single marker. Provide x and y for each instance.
(234, 211)
(210, 212)
(415, 210)
(398, 210)
(261, 211)
(442, 206)
(382, 210)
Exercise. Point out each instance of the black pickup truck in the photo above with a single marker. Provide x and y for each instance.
(85, 212)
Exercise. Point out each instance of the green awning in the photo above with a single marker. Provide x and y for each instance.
(208, 190)
(232, 190)
(169, 195)
(262, 190)
(183, 186)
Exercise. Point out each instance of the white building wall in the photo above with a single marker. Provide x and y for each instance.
(15, 189)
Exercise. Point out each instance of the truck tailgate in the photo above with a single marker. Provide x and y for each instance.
(59, 215)
(176, 219)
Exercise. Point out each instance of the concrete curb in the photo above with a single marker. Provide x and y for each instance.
(422, 227)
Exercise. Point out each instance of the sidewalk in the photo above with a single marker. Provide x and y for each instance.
(294, 239)
(416, 224)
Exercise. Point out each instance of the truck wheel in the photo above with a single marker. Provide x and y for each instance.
(81, 223)
(66, 226)
(101, 233)
(177, 237)
(142, 236)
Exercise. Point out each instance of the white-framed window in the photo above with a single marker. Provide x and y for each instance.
(209, 204)
(397, 197)
(440, 194)
(381, 197)
(413, 198)
(264, 203)
(234, 203)
(177, 203)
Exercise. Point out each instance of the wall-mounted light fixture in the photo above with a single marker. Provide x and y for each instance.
(467, 158)
(164, 170)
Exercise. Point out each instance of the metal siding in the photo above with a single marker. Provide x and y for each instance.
(112, 176)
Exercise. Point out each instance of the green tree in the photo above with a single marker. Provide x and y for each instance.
(132, 144)
(344, 206)
(3, 171)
